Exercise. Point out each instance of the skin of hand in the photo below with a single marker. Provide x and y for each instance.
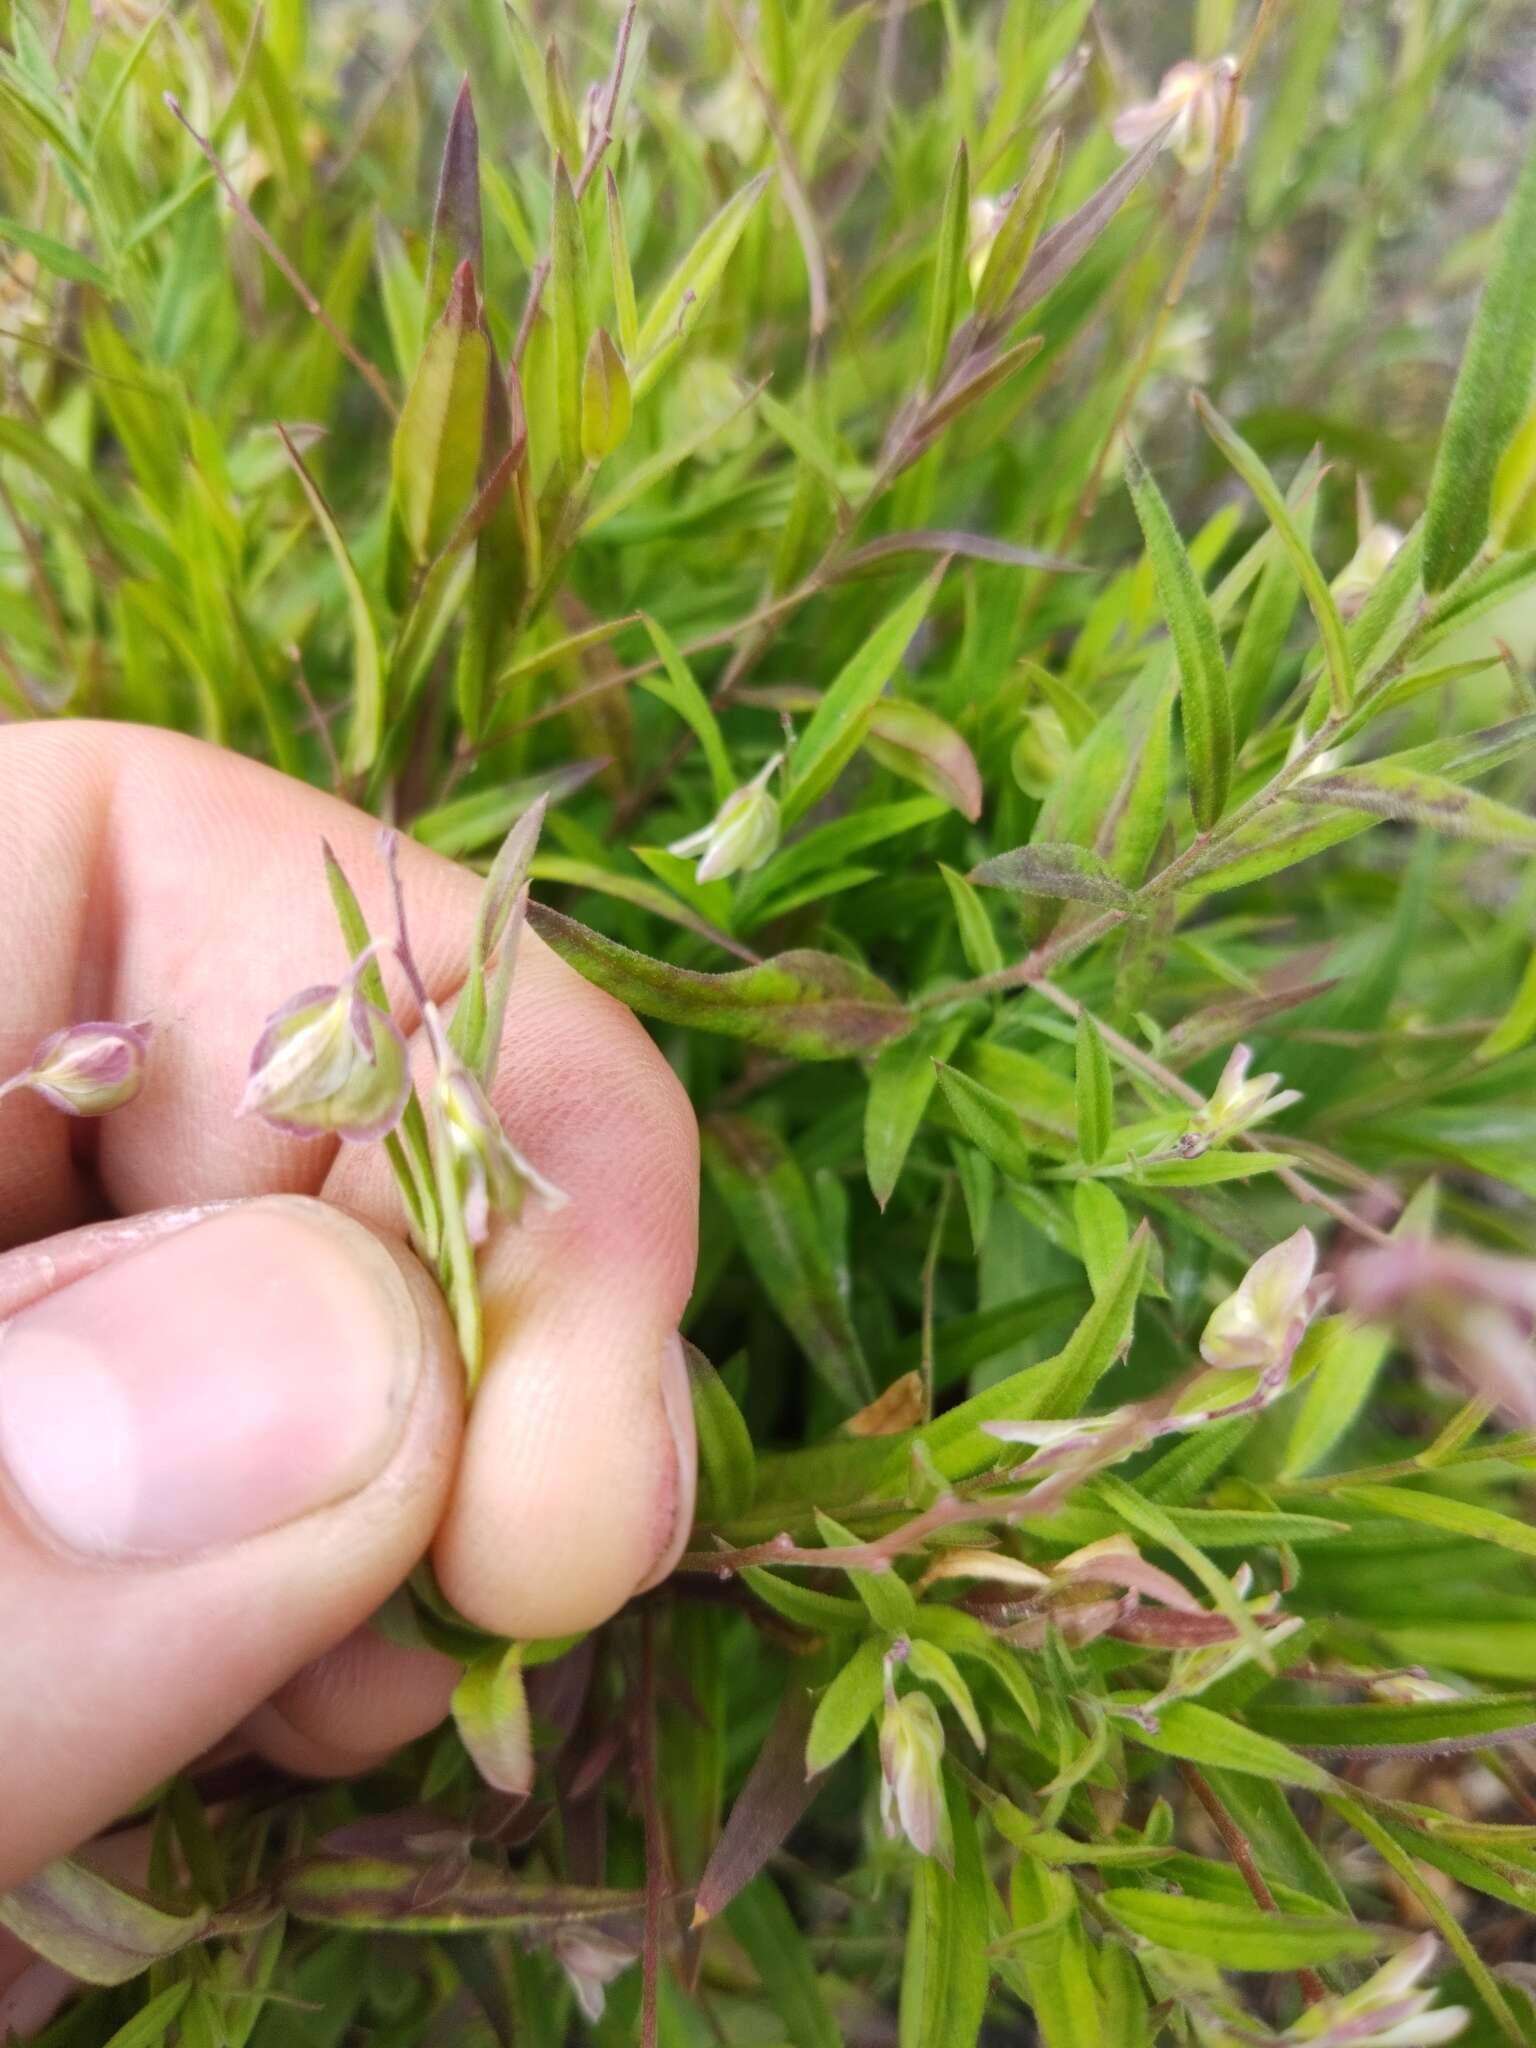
(231, 1412)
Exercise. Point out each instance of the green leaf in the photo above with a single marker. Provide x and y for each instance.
(54, 255)
(841, 719)
(1095, 1092)
(435, 459)
(149, 2026)
(367, 726)
(605, 399)
(991, 1124)
(1403, 1728)
(901, 1080)
(1243, 1937)
(1441, 1511)
(1493, 389)
(782, 1239)
(918, 745)
(677, 687)
(1019, 229)
(781, 1956)
(457, 234)
(1048, 1952)
(676, 308)
(1201, 1736)
(944, 1971)
(727, 1461)
(847, 1706)
(623, 279)
(811, 1006)
(571, 301)
(1341, 673)
(1103, 1229)
(1517, 1027)
(978, 941)
(962, 1635)
(490, 1711)
(806, 1606)
(1203, 690)
(948, 267)
(886, 1595)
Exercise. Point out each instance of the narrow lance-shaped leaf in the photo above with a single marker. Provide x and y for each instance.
(810, 1006)
(605, 399)
(93, 1926)
(558, 107)
(991, 1124)
(776, 1793)
(1388, 790)
(1203, 698)
(623, 278)
(1341, 672)
(727, 1460)
(367, 726)
(435, 459)
(781, 1236)
(396, 1896)
(456, 226)
(918, 745)
(1095, 1092)
(1019, 230)
(841, 719)
(1243, 1937)
(948, 266)
(676, 306)
(900, 1083)
(1493, 389)
(571, 297)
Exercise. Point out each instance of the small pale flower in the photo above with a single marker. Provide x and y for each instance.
(329, 1061)
(743, 833)
(986, 217)
(489, 1170)
(1411, 1688)
(1191, 103)
(912, 1787)
(1238, 1101)
(1463, 1311)
(1257, 1328)
(1366, 567)
(1387, 2011)
(591, 1960)
(87, 1069)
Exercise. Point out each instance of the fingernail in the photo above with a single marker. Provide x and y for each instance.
(680, 1484)
(213, 1385)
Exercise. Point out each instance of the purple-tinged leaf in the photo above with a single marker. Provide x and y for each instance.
(1056, 252)
(810, 1006)
(395, 1895)
(771, 1802)
(1055, 868)
(456, 228)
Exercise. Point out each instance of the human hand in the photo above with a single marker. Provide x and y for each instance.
(231, 1413)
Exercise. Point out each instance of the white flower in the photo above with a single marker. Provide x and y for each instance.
(1387, 2011)
(742, 834)
(329, 1061)
(911, 1760)
(1192, 98)
(1257, 1328)
(1238, 1101)
(488, 1169)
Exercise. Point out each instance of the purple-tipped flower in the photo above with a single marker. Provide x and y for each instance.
(1387, 2011)
(591, 1960)
(1468, 1312)
(488, 1168)
(329, 1062)
(911, 1765)
(1191, 104)
(87, 1069)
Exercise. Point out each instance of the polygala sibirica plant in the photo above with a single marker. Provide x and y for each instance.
(974, 565)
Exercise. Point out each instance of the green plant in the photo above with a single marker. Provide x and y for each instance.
(781, 456)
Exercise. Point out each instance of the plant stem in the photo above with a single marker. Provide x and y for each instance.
(1313, 1989)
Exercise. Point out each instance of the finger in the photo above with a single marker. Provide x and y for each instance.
(578, 1469)
(218, 1453)
(354, 1705)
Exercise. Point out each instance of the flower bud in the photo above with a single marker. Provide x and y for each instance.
(743, 833)
(88, 1069)
(911, 1763)
(1258, 1328)
(329, 1061)
(1366, 566)
(489, 1171)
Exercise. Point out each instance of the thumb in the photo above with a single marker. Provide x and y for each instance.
(218, 1453)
